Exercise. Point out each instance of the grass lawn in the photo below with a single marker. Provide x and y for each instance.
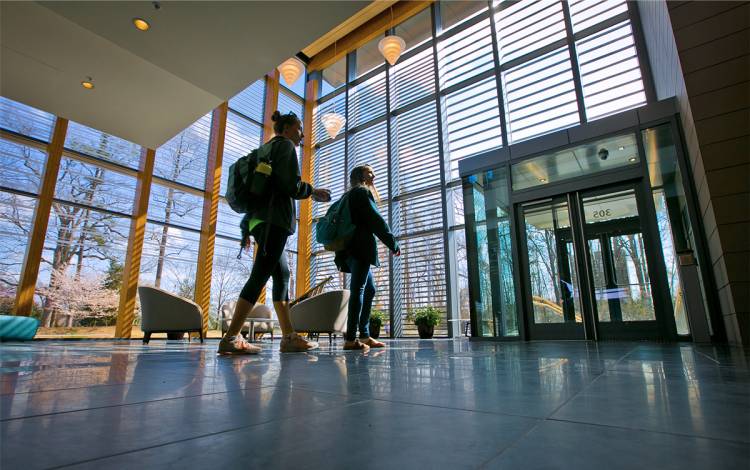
(83, 332)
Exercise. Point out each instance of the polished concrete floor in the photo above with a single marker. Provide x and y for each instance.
(430, 404)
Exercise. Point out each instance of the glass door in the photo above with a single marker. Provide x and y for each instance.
(586, 266)
(553, 299)
(621, 289)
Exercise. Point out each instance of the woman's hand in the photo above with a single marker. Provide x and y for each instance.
(397, 253)
(321, 195)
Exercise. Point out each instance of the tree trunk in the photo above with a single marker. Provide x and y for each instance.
(164, 238)
(167, 217)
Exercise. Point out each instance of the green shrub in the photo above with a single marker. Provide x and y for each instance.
(377, 318)
(426, 316)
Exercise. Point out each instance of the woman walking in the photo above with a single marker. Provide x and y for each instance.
(360, 254)
(270, 226)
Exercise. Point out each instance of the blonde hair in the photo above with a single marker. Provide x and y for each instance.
(357, 178)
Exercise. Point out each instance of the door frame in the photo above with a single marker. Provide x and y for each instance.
(659, 328)
(662, 328)
(565, 330)
(654, 115)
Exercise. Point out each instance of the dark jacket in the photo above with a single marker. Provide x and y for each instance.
(286, 186)
(370, 224)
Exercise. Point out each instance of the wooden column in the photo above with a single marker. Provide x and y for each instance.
(132, 268)
(270, 105)
(304, 237)
(35, 246)
(210, 210)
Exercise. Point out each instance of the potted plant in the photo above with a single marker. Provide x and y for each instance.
(376, 321)
(426, 319)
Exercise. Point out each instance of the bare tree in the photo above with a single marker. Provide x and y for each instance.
(183, 155)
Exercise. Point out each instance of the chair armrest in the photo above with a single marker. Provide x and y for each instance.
(161, 310)
(322, 313)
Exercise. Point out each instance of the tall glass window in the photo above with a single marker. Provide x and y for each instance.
(488, 238)
(23, 165)
(78, 288)
(170, 247)
(484, 77)
(676, 234)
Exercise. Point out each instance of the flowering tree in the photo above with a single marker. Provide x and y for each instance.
(79, 297)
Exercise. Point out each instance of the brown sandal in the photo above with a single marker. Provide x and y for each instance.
(355, 345)
(373, 343)
(237, 345)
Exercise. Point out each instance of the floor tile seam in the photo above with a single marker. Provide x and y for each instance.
(575, 395)
(625, 428)
(82, 387)
(588, 385)
(707, 357)
(578, 393)
(134, 403)
(211, 434)
(171, 373)
(64, 389)
(443, 407)
(672, 376)
(621, 359)
(513, 443)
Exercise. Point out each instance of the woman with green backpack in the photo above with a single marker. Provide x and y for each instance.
(360, 253)
(270, 225)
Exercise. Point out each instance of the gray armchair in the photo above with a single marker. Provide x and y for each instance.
(258, 311)
(163, 312)
(322, 313)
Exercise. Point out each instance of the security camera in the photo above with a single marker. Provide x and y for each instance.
(603, 154)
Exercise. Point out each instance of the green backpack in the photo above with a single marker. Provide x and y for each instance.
(240, 194)
(336, 229)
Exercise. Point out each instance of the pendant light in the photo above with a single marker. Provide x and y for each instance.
(333, 121)
(291, 69)
(391, 46)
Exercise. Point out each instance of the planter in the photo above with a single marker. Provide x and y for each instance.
(426, 331)
(176, 335)
(374, 330)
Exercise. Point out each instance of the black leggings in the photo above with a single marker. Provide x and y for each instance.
(270, 262)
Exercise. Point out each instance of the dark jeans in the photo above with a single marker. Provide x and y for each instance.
(362, 292)
(270, 262)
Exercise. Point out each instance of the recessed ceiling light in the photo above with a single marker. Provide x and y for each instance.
(542, 180)
(632, 159)
(621, 148)
(141, 24)
(88, 83)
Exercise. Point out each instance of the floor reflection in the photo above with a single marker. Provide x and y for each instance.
(88, 400)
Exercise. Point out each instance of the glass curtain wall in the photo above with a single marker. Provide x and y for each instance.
(23, 155)
(77, 290)
(78, 287)
(475, 76)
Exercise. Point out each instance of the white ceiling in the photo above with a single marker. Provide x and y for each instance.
(150, 85)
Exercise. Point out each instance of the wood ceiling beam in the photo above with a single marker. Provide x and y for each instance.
(401, 11)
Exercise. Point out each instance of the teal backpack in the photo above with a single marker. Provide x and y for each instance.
(240, 194)
(336, 229)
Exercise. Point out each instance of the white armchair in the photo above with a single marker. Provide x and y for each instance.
(322, 313)
(163, 312)
(258, 311)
